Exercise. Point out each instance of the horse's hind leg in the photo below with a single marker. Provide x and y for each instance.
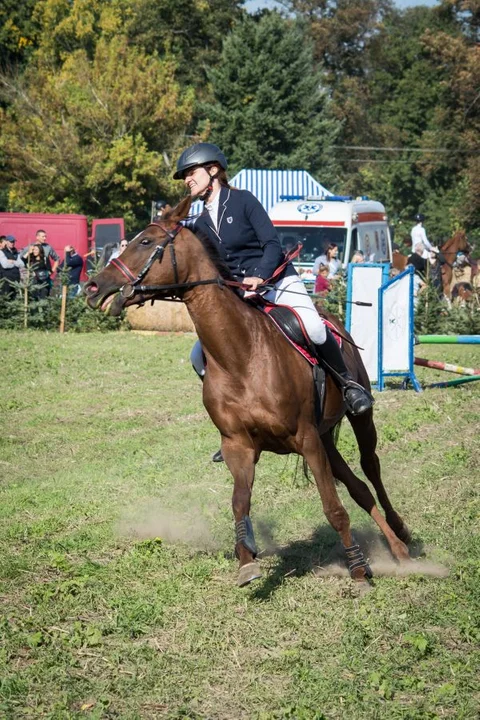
(241, 460)
(360, 492)
(315, 455)
(366, 434)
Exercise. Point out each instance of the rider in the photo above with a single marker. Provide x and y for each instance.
(248, 242)
(419, 235)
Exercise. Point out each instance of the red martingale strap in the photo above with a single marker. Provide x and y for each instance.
(117, 263)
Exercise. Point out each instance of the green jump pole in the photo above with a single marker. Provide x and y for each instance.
(457, 381)
(449, 339)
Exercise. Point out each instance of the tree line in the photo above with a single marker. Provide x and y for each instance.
(99, 97)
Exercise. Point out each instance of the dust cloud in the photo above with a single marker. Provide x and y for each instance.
(156, 521)
(381, 560)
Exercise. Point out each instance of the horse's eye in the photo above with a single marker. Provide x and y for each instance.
(146, 241)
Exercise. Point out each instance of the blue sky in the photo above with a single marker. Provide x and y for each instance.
(252, 5)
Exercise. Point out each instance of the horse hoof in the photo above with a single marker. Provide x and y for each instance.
(247, 573)
(362, 575)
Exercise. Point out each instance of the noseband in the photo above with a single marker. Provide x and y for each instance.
(133, 287)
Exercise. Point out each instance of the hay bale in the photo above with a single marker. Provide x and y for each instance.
(163, 316)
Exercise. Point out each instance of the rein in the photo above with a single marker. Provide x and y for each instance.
(133, 287)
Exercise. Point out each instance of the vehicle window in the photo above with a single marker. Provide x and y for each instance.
(314, 240)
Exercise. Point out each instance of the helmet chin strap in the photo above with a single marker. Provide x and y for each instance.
(205, 196)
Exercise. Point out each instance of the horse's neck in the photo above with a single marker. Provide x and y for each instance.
(451, 246)
(222, 320)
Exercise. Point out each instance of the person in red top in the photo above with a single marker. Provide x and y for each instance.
(322, 286)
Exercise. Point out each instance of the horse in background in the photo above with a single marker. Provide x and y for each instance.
(257, 389)
(446, 257)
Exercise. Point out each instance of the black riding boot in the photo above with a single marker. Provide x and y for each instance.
(216, 457)
(357, 399)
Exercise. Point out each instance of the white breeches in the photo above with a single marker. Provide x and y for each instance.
(289, 291)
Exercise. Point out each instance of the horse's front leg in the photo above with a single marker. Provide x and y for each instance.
(241, 458)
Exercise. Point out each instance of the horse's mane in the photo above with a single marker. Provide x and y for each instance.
(213, 254)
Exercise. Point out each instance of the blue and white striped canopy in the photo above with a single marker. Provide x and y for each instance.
(269, 185)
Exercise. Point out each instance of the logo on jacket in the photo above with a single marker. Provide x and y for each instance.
(230, 220)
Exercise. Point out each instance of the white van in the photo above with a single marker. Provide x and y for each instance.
(352, 224)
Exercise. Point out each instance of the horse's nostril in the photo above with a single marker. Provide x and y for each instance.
(91, 289)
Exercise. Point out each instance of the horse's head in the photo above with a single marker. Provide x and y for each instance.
(149, 259)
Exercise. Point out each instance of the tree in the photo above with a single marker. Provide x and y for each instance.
(269, 109)
(405, 90)
(341, 31)
(191, 31)
(94, 136)
(17, 31)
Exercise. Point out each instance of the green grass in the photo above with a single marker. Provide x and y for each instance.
(118, 590)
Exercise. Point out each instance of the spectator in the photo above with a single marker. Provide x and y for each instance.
(417, 260)
(330, 258)
(358, 257)
(322, 286)
(10, 263)
(159, 210)
(51, 258)
(2, 245)
(119, 250)
(419, 235)
(39, 267)
(105, 255)
(73, 263)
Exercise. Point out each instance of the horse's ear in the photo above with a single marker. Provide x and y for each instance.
(180, 211)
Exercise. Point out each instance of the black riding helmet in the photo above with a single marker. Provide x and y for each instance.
(420, 217)
(199, 154)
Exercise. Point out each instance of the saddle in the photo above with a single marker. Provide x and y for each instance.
(290, 324)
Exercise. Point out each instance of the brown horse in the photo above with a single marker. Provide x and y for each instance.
(448, 253)
(257, 389)
(446, 257)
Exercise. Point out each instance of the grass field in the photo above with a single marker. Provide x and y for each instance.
(118, 590)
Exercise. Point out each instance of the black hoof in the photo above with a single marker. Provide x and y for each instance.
(217, 457)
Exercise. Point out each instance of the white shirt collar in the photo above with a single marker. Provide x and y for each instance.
(212, 208)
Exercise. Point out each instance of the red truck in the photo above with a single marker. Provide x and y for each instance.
(62, 230)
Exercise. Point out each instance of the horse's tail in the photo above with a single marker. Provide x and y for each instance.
(336, 432)
(305, 470)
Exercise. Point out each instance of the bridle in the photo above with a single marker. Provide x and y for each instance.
(133, 286)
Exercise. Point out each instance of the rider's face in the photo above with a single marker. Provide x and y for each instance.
(197, 180)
